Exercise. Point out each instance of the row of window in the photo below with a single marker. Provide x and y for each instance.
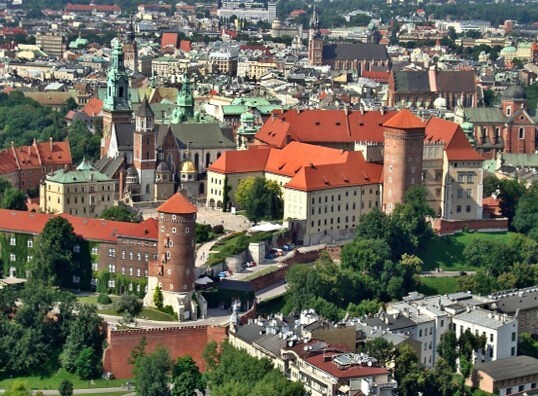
(112, 269)
(465, 177)
(467, 208)
(30, 244)
(339, 196)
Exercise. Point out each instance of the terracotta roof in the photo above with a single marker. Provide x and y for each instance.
(320, 126)
(177, 204)
(242, 161)
(90, 7)
(308, 166)
(35, 156)
(94, 107)
(147, 229)
(457, 146)
(404, 120)
(323, 361)
(86, 228)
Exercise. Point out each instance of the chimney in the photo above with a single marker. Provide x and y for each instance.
(50, 142)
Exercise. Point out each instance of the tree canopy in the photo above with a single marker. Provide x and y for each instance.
(53, 257)
(121, 213)
(261, 198)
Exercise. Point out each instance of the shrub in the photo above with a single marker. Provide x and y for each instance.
(104, 299)
(218, 229)
(128, 303)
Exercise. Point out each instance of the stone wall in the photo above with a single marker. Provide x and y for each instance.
(447, 227)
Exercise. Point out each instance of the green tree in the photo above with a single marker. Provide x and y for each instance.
(527, 345)
(186, 377)
(366, 255)
(381, 349)
(152, 374)
(121, 213)
(158, 298)
(66, 388)
(128, 304)
(407, 371)
(490, 185)
(447, 349)
(261, 199)
(88, 364)
(13, 199)
(18, 388)
(526, 215)
(53, 257)
(85, 331)
(211, 355)
(510, 192)
(83, 143)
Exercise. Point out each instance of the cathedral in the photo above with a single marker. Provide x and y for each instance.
(149, 160)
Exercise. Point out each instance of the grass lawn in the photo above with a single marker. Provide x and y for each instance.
(447, 252)
(53, 381)
(438, 285)
(259, 273)
(91, 299)
(146, 313)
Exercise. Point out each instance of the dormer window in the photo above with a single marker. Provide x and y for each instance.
(509, 110)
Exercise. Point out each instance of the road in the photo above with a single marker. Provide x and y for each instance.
(272, 291)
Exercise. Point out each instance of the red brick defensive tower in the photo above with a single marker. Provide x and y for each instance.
(173, 272)
(403, 150)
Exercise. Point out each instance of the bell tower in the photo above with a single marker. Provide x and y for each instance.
(116, 105)
(130, 48)
(184, 102)
(144, 154)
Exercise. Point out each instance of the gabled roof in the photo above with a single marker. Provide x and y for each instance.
(484, 115)
(404, 120)
(177, 204)
(144, 110)
(84, 227)
(252, 160)
(323, 126)
(309, 167)
(94, 107)
(198, 135)
(147, 229)
(457, 146)
(355, 51)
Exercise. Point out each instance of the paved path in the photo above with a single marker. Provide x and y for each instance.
(272, 291)
(445, 274)
(87, 391)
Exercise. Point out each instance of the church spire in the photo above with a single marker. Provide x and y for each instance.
(184, 102)
(117, 94)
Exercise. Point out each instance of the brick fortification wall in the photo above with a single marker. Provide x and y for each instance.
(179, 341)
(446, 227)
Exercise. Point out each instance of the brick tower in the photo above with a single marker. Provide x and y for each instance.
(144, 154)
(402, 168)
(130, 48)
(315, 42)
(173, 271)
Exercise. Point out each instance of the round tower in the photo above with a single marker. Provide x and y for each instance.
(402, 168)
(173, 272)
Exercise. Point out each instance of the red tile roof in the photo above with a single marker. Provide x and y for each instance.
(170, 38)
(323, 126)
(457, 146)
(177, 204)
(91, 7)
(93, 108)
(308, 166)
(34, 156)
(323, 361)
(86, 228)
(243, 161)
(404, 120)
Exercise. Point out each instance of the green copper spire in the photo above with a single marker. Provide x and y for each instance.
(184, 102)
(117, 92)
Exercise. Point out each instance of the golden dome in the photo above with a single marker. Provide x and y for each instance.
(188, 166)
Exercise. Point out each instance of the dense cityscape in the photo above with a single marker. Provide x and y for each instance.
(277, 198)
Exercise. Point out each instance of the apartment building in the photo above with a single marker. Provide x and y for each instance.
(522, 303)
(52, 43)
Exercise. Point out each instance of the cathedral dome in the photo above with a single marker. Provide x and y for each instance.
(163, 167)
(188, 166)
(514, 92)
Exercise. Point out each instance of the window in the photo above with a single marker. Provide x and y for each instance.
(76, 249)
(521, 133)
(146, 257)
(174, 230)
(139, 256)
(469, 193)
(470, 178)
(513, 336)
(461, 177)
(30, 243)
(111, 268)
(111, 283)
(138, 272)
(458, 208)
(12, 257)
(130, 271)
(468, 208)
(95, 266)
(460, 193)
(187, 230)
(12, 241)
(123, 254)
(29, 258)
(491, 337)
(513, 352)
